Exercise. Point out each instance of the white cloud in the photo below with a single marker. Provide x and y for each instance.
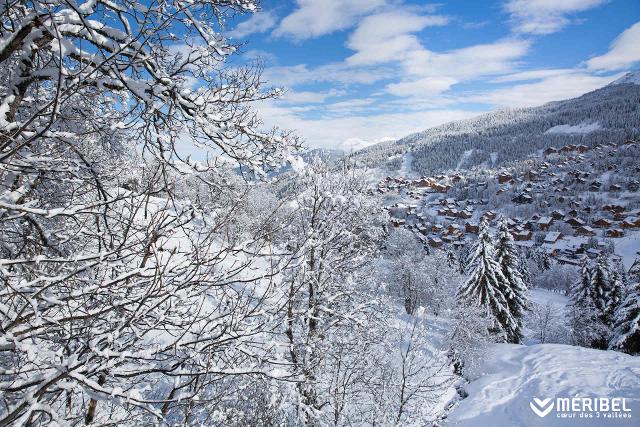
(385, 36)
(308, 97)
(624, 51)
(531, 75)
(315, 18)
(332, 132)
(555, 88)
(425, 87)
(545, 16)
(468, 62)
(336, 73)
(258, 23)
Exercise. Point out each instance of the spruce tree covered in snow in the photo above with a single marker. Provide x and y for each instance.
(634, 271)
(602, 287)
(488, 288)
(586, 317)
(626, 330)
(508, 257)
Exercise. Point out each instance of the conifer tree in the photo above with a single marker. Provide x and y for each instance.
(588, 304)
(626, 329)
(487, 286)
(508, 257)
(601, 286)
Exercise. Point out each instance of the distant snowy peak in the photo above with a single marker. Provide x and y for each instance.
(629, 78)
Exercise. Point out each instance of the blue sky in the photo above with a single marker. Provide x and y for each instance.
(357, 72)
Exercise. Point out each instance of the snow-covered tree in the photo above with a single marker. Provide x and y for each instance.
(508, 257)
(417, 278)
(548, 324)
(333, 234)
(487, 287)
(122, 301)
(626, 329)
(586, 317)
(602, 287)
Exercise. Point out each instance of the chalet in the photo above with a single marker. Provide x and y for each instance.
(567, 148)
(545, 222)
(526, 244)
(504, 178)
(453, 229)
(615, 188)
(602, 223)
(557, 215)
(439, 188)
(422, 229)
(437, 228)
(572, 213)
(633, 186)
(582, 148)
(595, 186)
(397, 222)
(613, 208)
(585, 230)
(522, 236)
(435, 242)
(522, 198)
(549, 151)
(614, 233)
(631, 222)
(575, 222)
(532, 175)
(464, 214)
(489, 215)
(471, 227)
(552, 237)
(424, 183)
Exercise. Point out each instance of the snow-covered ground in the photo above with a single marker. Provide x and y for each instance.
(465, 156)
(544, 296)
(579, 128)
(628, 247)
(406, 170)
(512, 376)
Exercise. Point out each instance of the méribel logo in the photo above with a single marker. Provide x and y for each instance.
(541, 407)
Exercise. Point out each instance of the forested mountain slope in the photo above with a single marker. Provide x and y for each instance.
(611, 113)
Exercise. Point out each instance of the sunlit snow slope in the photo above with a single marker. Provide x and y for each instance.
(513, 375)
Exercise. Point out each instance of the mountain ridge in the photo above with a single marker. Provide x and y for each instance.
(611, 113)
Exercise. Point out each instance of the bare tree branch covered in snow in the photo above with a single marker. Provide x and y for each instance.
(120, 300)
